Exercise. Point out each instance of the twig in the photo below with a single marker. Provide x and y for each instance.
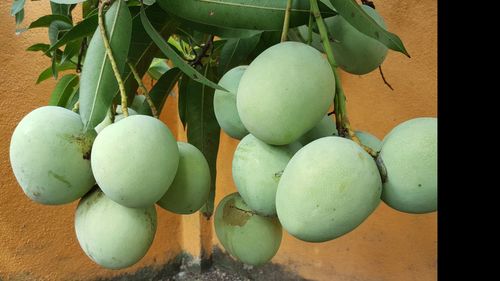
(137, 77)
(203, 53)
(286, 22)
(310, 29)
(339, 101)
(383, 78)
(111, 58)
(83, 46)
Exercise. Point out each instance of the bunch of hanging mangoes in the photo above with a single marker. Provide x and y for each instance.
(290, 167)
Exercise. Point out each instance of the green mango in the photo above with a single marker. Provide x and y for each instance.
(49, 155)
(257, 168)
(251, 238)
(325, 128)
(354, 51)
(225, 103)
(328, 188)
(135, 160)
(112, 235)
(191, 186)
(409, 154)
(285, 92)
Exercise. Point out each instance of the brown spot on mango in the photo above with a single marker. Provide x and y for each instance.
(235, 216)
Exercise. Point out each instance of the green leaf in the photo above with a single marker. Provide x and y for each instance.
(188, 26)
(171, 54)
(63, 90)
(57, 29)
(142, 48)
(60, 9)
(236, 51)
(98, 83)
(328, 4)
(19, 17)
(88, 7)
(38, 47)
(360, 20)
(85, 28)
(203, 130)
(181, 102)
(71, 50)
(73, 99)
(45, 21)
(53, 67)
(17, 6)
(67, 1)
(47, 73)
(157, 68)
(161, 90)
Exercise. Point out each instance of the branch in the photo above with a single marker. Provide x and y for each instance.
(204, 50)
(286, 22)
(137, 77)
(368, 3)
(383, 78)
(111, 58)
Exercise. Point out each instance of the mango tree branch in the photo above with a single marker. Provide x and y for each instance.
(286, 23)
(111, 58)
(137, 77)
(339, 102)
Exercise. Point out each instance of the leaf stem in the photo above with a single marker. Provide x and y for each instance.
(339, 101)
(286, 22)
(137, 77)
(111, 58)
(310, 29)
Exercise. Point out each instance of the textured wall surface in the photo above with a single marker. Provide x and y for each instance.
(38, 242)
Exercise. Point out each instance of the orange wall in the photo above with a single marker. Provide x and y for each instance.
(38, 242)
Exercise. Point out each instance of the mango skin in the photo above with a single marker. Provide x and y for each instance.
(285, 92)
(135, 160)
(325, 128)
(257, 169)
(191, 186)
(49, 156)
(369, 140)
(225, 103)
(327, 189)
(112, 235)
(409, 153)
(251, 238)
(354, 51)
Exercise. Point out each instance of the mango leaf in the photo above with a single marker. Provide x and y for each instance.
(182, 98)
(38, 47)
(60, 9)
(57, 29)
(236, 51)
(359, 19)
(187, 27)
(63, 90)
(67, 1)
(88, 7)
(19, 20)
(157, 68)
(47, 73)
(171, 54)
(161, 90)
(98, 83)
(16, 7)
(45, 21)
(73, 99)
(84, 28)
(203, 130)
(142, 48)
(328, 4)
(72, 49)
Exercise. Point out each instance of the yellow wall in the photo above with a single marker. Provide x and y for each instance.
(38, 242)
